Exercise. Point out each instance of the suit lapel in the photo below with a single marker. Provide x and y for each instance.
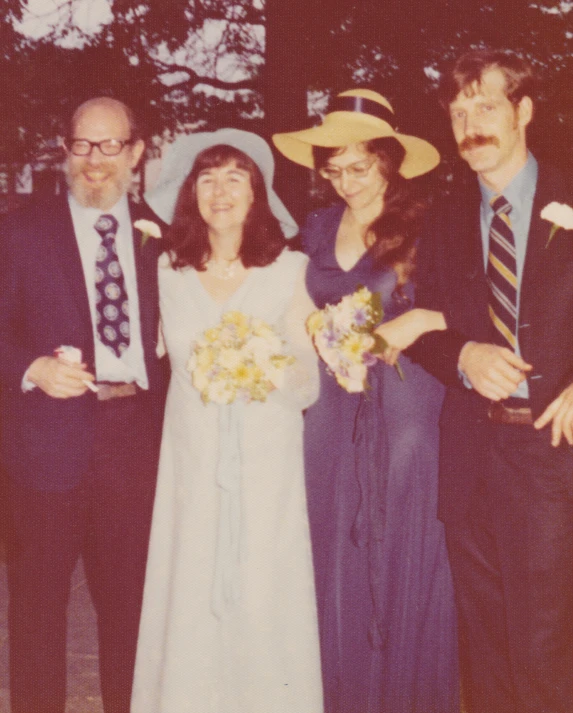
(539, 261)
(66, 247)
(146, 270)
(472, 273)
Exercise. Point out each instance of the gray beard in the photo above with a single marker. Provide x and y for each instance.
(101, 197)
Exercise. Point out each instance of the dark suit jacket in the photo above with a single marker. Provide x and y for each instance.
(452, 280)
(46, 442)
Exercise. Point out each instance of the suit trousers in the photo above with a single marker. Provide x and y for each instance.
(106, 519)
(512, 564)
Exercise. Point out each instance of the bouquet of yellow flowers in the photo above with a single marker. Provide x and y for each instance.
(241, 359)
(344, 337)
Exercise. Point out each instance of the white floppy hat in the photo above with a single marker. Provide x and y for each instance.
(181, 155)
(355, 116)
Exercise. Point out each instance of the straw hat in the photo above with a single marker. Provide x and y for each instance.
(181, 155)
(356, 116)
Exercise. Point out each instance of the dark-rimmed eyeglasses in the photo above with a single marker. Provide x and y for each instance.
(360, 169)
(108, 147)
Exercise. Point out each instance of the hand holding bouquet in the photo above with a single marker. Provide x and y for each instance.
(240, 359)
(344, 337)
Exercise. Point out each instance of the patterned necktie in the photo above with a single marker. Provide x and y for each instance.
(502, 274)
(112, 307)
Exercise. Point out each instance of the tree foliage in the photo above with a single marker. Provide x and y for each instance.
(252, 62)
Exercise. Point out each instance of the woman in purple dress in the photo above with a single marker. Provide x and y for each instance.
(385, 598)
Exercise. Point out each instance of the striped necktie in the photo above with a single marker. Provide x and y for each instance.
(502, 274)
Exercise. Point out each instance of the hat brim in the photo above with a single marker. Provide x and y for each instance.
(181, 155)
(345, 128)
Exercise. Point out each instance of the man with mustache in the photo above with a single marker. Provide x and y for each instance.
(506, 355)
(82, 393)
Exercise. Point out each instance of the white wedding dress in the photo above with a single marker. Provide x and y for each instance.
(229, 615)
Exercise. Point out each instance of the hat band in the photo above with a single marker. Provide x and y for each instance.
(363, 106)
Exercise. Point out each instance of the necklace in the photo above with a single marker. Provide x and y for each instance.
(222, 269)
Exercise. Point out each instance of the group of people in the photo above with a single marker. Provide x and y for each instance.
(313, 550)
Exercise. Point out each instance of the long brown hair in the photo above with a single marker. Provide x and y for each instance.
(187, 239)
(395, 229)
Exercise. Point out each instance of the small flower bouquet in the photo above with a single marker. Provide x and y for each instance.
(241, 359)
(344, 337)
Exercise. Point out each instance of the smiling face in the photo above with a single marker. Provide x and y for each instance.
(98, 181)
(359, 192)
(490, 130)
(224, 197)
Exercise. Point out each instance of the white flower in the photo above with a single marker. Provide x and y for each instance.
(148, 228)
(560, 214)
(219, 392)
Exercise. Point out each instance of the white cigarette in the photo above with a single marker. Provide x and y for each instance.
(90, 385)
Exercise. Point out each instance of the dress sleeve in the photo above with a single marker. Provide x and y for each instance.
(300, 386)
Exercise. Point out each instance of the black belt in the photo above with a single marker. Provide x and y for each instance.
(518, 416)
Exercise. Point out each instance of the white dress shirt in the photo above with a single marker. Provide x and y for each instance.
(131, 365)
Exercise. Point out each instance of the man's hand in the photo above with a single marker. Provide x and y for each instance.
(560, 414)
(494, 372)
(59, 378)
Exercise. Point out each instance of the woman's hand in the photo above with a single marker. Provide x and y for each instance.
(403, 331)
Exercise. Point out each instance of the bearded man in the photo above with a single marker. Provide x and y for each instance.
(82, 397)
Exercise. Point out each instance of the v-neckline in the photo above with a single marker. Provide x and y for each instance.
(204, 294)
(333, 248)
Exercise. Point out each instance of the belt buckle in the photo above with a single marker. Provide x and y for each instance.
(499, 413)
(115, 391)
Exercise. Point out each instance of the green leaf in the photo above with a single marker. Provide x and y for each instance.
(380, 344)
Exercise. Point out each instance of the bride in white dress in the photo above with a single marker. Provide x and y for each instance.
(229, 615)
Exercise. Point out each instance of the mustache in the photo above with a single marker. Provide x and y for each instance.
(474, 142)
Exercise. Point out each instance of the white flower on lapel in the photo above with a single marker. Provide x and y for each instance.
(148, 228)
(560, 214)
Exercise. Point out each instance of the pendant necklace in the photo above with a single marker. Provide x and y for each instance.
(223, 269)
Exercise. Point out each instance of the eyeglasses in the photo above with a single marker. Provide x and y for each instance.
(359, 170)
(108, 147)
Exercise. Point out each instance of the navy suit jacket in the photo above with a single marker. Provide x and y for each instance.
(46, 442)
(451, 279)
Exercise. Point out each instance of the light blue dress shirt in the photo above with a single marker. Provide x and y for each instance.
(519, 193)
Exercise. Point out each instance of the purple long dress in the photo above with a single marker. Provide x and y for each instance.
(385, 598)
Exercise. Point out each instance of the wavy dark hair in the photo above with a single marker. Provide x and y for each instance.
(467, 72)
(187, 239)
(395, 230)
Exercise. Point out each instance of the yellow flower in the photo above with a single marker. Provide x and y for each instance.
(362, 297)
(211, 335)
(354, 346)
(260, 328)
(237, 320)
(315, 322)
(205, 358)
(244, 375)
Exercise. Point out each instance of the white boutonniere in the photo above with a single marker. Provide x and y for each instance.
(148, 229)
(560, 214)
